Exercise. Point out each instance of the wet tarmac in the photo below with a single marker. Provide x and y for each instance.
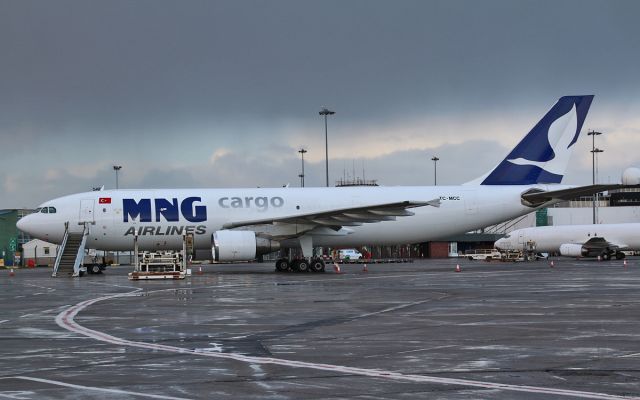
(410, 331)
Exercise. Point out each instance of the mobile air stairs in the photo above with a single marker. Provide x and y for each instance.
(70, 257)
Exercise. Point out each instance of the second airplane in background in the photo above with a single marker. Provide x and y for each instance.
(605, 240)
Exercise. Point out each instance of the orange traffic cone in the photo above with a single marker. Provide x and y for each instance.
(11, 273)
(364, 269)
(458, 268)
(551, 265)
(199, 270)
(625, 264)
(599, 258)
(336, 268)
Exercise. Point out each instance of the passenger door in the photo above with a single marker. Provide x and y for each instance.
(87, 211)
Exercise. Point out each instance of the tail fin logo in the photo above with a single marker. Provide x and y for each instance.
(543, 154)
(560, 135)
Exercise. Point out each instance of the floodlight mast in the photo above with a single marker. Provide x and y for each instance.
(593, 135)
(325, 112)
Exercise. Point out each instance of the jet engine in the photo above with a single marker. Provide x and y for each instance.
(573, 250)
(231, 245)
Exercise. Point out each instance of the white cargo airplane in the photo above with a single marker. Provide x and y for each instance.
(241, 224)
(605, 240)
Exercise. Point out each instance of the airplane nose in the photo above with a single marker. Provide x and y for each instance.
(22, 224)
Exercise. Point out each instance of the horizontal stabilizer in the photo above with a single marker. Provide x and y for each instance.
(536, 197)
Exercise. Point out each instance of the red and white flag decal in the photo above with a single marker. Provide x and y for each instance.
(104, 200)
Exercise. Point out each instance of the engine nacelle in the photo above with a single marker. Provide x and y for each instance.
(231, 245)
(573, 250)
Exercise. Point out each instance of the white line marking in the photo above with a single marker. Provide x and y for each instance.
(71, 385)
(114, 285)
(400, 307)
(17, 394)
(66, 320)
(38, 286)
(3, 321)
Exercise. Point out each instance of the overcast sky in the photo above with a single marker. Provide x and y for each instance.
(224, 93)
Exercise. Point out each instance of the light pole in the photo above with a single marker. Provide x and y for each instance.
(596, 195)
(302, 151)
(326, 112)
(117, 168)
(435, 170)
(593, 135)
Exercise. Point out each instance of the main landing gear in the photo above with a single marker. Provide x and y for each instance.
(300, 265)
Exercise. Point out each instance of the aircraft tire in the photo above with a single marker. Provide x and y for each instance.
(282, 265)
(620, 255)
(317, 265)
(302, 266)
(95, 269)
(606, 256)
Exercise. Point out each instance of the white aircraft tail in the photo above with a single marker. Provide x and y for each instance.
(543, 155)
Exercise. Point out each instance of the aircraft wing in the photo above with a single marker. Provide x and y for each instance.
(338, 218)
(599, 243)
(535, 198)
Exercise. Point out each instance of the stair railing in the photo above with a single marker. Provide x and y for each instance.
(80, 255)
(56, 265)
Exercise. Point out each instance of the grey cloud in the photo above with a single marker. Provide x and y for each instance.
(163, 84)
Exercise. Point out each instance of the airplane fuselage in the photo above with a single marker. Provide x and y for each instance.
(160, 217)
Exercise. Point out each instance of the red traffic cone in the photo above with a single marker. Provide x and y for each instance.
(625, 263)
(599, 258)
(365, 269)
(11, 273)
(458, 268)
(199, 270)
(336, 268)
(551, 265)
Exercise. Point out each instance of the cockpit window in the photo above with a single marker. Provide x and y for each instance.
(38, 210)
(507, 236)
(52, 210)
(45, 210)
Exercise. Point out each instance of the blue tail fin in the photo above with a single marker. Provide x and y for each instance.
(543, 155)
